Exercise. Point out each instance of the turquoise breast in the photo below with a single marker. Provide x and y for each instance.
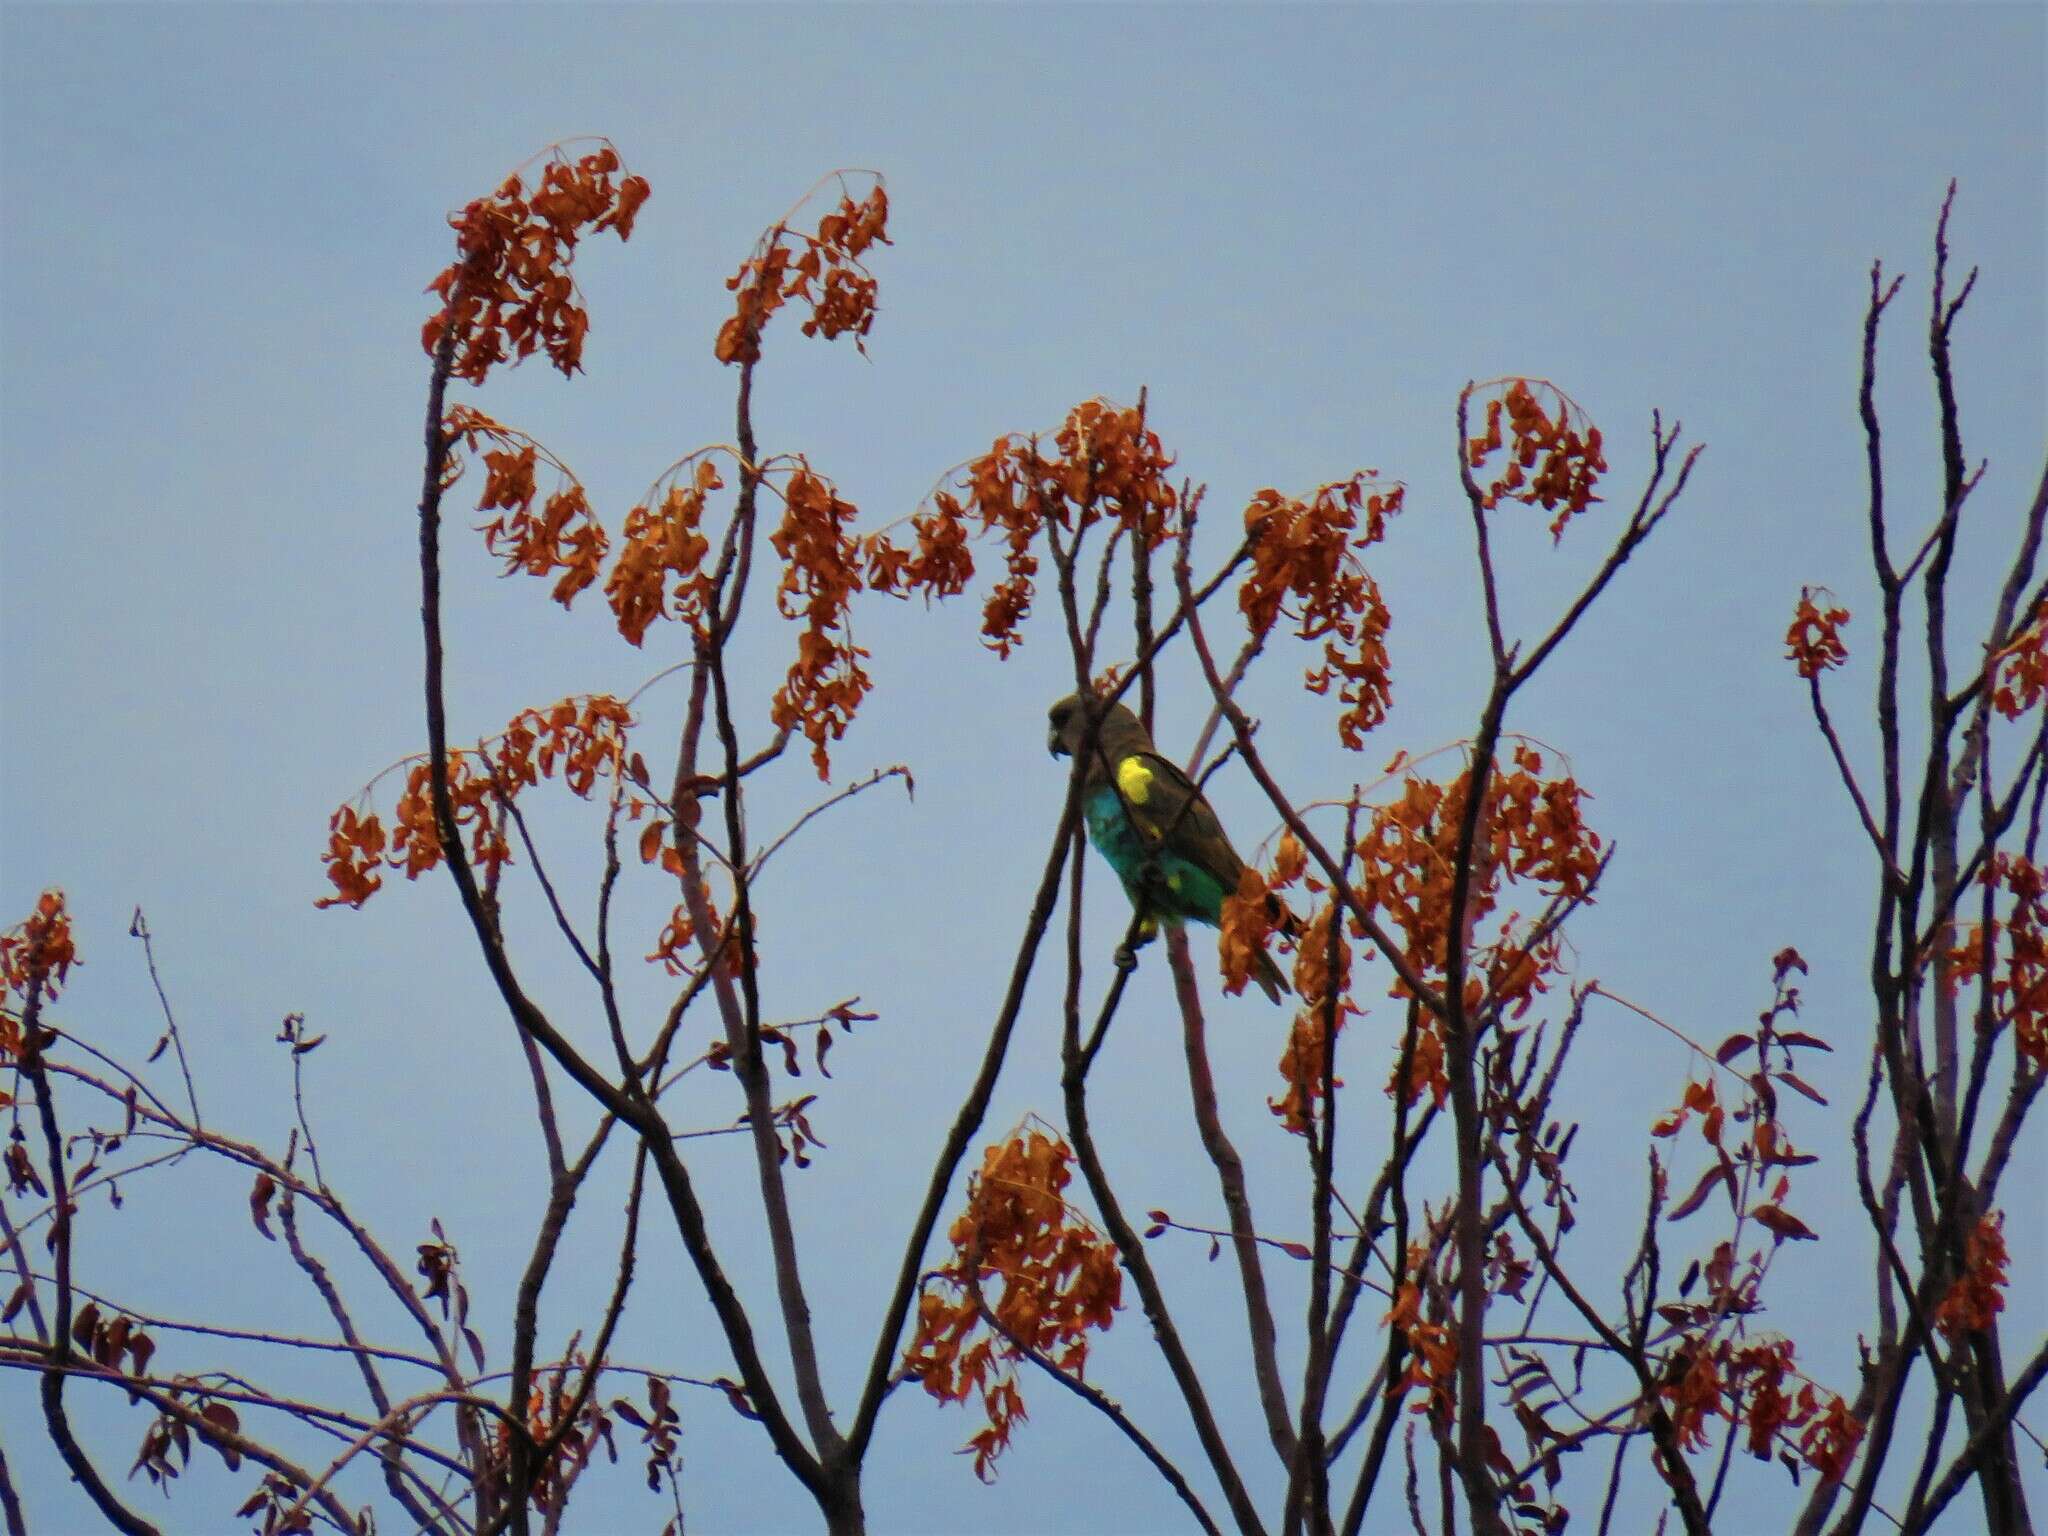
(1165, 884)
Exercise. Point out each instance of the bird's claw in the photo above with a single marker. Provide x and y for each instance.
(1126, 959)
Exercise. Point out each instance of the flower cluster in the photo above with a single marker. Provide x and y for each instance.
(1105, 463)
(1814, 640)
(823, 270)
(1316, 983)
(1747, 1383)
(509, 291)
(37, 949)
(582, 738)
(663, 543)
(565, 536)
(2022, 669)
(821, 572)
(1978, 1294)
(1305, 553)
(1023, 1258)
(1531, 828)
(1551, 463)
(1421, 1314)
(2019, 986)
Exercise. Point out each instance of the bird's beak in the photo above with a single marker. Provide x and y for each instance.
(1053, 743)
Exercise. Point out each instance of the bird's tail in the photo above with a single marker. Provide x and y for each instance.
(1269, 978)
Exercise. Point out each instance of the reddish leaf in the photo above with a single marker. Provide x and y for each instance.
(628, 1412)
(1783, 1224)
(1697, 1198)
(1733, 1047)
(223, 1418)
(259, 1204)
(1794, 1080)
(737, 1396)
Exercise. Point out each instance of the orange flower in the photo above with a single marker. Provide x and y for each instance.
(661, 546)
(565, 536)
(1046, 1275)
(583, 738)
(37, 949)
(1248, 920)
(1814, 639)
(1306, 552)
(509, 291)
(1566, 462)
(1303, 1061)
(2025, 662)
(1432, 1348)
(1978, 1294)
(1531, 828)
(821, 572)
(825, 271)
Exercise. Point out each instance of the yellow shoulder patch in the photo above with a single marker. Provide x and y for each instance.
(1134, 779)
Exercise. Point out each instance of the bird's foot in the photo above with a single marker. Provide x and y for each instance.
(1126, 958)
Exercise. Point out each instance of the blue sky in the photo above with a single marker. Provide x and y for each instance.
(1302, 228)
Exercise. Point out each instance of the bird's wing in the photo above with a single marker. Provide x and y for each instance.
(1170, 810)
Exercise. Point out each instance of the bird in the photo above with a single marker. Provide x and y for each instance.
(1153, 826)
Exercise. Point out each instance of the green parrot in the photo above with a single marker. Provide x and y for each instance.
(1152, 824)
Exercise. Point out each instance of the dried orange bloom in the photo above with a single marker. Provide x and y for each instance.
(680, 930)
(821, 572)
(1426, 1071)
(1290, 861)
(1250, 916)
(1551, 463)
(1105, 464)
(1043, 1272)
(582, 738)
(355, 849)
(1531, 828)
(1814, 639)
(1699, 1097)
(564, 536)
(2024, 675)
(662, 544)
(1829, 1441)
(1432, 1346)
(2017, 947)
(941, 565)
(1691, 1388)
(1746, 1383)
(824, 270)
(1305, 565)
(39, 948)
(1978, 1294)
(1315, 982)
(510, 292)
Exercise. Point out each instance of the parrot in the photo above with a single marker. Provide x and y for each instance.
(1153, 826)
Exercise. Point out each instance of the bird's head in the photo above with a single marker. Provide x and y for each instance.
(1067, 724)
